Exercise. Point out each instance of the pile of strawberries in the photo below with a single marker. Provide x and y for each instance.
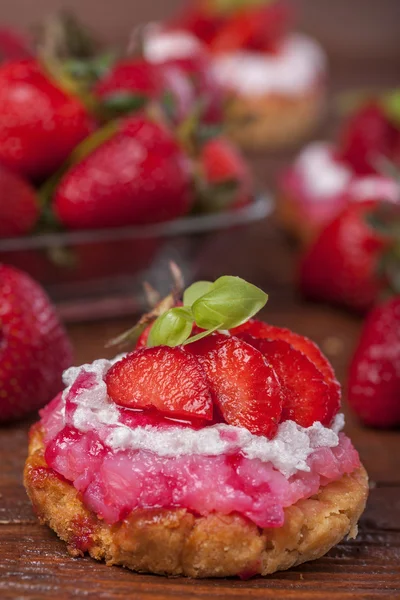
(126, 144)
(255, 377)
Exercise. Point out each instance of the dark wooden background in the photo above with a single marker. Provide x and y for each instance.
(362, 37)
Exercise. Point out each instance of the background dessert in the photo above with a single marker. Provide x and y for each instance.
(359, 166)
(274, 80)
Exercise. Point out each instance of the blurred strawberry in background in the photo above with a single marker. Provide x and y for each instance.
(258, 28)
(40, 124)
(374, 374)
(227, 26)
(34, 348)
(355, 259)
(19, 205)
(372, 133)
(139, 175)
(133, 83)
(199, 19)
(224, 180)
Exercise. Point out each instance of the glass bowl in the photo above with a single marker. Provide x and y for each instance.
(100, 273)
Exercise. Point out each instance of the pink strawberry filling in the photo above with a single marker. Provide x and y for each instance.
(115, 482)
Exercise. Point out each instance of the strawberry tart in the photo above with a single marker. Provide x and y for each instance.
(326, 176)
(214, 448)
(273, 79)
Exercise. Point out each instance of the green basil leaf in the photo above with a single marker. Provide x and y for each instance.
(172, 328)
(195, 291)
(230, 302)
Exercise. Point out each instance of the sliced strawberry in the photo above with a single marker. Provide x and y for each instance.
(168, 379)
(259, 329)
(306, 396)
(246, 388)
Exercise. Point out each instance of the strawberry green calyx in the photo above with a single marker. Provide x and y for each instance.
(222, 305)
(230, 6)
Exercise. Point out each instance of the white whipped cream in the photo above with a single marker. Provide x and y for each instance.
(325, 177)
(161, 45)
(293, 70)
(374, 186)
(287, 451)
(322, 175)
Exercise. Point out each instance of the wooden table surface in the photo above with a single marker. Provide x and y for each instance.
(35, 564)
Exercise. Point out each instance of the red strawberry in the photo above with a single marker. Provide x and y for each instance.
(350, 263)
(366, 137)
(34, 348)
(39, 123)
(140, 175)
(245, 387)
(168, 379)
(259, 28)
(199, 20)
(225, 178)
(132, 83)
(19, 206)
(374, 375)
(259, 329)
(306, 396)
(13, 46)
(142, 339)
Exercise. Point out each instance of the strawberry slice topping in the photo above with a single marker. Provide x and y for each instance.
(259, 329)
(168, 379)
(306, 396)
(246, 389)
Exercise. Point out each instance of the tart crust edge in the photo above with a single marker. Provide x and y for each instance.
(176, 542)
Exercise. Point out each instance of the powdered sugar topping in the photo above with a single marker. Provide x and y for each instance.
(323, 176)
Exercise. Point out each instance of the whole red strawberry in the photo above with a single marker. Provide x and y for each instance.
(132, 83)
(374, 375)
(354, 258)
(39, 123)
(368, 136)
(34, 348)
(139, 175)
(19, 206)
(224, 176)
